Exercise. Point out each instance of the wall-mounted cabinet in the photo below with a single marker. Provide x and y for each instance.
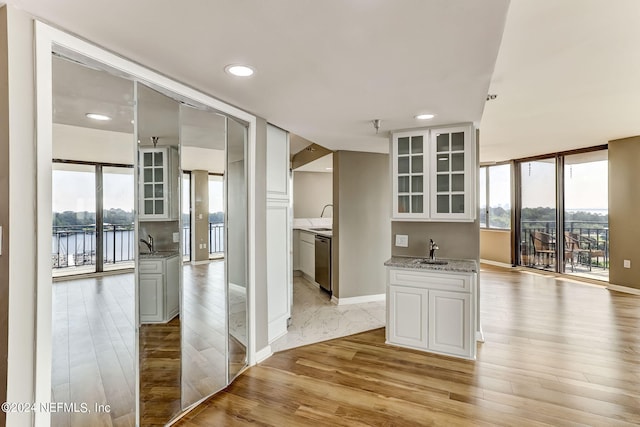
(434, 174)
(158, 183)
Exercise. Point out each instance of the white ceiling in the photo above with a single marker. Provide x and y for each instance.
(565, 76)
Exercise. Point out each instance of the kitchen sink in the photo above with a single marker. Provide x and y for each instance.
(431, 261)
(320, 229)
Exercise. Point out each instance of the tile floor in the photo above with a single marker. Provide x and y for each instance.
(315, 318)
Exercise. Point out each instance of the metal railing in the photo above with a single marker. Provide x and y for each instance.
(597, 233)
(216, 239)
(75, 245)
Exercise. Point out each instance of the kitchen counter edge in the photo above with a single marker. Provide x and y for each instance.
(453, 265)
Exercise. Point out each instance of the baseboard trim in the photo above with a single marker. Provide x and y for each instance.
(204, 261)
(625, 289)
(264, 354)
(238, 288)
(358, 300)
(496, 263)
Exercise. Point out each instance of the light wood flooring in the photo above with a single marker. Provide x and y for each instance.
(556, 352)
(94, 348)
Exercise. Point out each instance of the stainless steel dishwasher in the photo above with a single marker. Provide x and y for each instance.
(323, 262)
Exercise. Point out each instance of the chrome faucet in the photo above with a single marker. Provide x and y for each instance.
(432, 249)
(325, 207)
(149, 243)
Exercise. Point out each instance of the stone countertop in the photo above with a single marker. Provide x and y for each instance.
(158, 254)
(316, 230)
(453, 265)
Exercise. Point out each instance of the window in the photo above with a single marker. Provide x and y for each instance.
(495, 197)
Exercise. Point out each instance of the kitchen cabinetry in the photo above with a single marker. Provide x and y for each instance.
(307, 250)
(159, 288)
(434, 174)
(432, 311)
(158, 183)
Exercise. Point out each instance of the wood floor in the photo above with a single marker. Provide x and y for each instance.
(556, 352)
(94, 348)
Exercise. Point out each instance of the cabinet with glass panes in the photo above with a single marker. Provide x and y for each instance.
(156, 183)
(434, 174)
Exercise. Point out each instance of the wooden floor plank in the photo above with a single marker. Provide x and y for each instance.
(557, 352)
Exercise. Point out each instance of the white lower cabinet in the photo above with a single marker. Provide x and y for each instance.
(307, 250)
(408, 316)
(159, 289)
(450, 323)
(432, 311)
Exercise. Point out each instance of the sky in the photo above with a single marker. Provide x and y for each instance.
(586, 185)
(75, 191)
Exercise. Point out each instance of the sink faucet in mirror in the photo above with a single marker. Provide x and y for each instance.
(148, 243)
(433, 246)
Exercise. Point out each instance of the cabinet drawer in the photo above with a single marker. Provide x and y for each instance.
(150, 267)
(432, 280)
(308, 237)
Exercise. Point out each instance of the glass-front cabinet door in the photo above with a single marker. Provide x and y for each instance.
(154, 183)
(454, 168)
(410, 156)
(434, 174)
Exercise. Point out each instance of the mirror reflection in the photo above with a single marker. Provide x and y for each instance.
(236, 191)
(162, 209)
(159, 260)
(93, 323)
(204, 351)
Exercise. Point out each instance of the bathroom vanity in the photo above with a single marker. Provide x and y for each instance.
(431, 305)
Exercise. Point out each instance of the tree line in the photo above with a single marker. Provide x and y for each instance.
(114, 216)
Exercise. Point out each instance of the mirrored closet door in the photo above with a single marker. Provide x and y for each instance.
(161, 322)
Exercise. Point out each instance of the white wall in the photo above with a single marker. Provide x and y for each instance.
(195, 158)
(311, 192)
(93, 145)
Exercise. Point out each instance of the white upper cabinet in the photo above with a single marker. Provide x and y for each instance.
(158, 183)
(434, 174)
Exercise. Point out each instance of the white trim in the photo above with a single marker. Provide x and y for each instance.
(496, 263)
(47, 38)
(238, 288)
(264, 354)
(359, 300)
(480, 335)
(44, 149)
(205, 261)
(624, 289)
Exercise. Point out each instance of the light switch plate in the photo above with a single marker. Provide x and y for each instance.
(176, 237)
(402, 240)
(627, 263)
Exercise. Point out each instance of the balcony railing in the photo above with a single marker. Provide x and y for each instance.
(596, 233)
(216, 239)
(75, 245)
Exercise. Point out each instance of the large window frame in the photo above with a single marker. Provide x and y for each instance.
(99, 204)
(518, 164)
(486, 191)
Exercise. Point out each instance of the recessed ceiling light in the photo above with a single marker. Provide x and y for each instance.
(96, 116)
(425, 116)
(239, 70)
